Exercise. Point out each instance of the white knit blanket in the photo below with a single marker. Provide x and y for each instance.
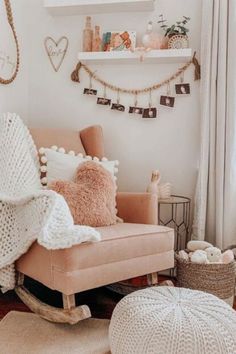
(28, 212)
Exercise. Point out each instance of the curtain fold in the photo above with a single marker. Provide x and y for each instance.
(215, 199)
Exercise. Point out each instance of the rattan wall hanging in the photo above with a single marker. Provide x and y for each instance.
(168, 100)
(11, 24)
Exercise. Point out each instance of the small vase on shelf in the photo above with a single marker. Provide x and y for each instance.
(97, 42)
(151, 39)
(87, 36)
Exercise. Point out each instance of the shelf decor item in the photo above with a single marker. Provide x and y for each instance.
(176, 33)
(11, 78)
(97, 41)
(56, 51)
(151, 39)
(119, 41)
(87, 36)
(178, 41)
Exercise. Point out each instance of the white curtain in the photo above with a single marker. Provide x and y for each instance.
(215, 200)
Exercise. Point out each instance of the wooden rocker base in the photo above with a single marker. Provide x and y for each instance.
(70, 315)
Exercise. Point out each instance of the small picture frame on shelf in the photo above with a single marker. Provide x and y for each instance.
(119, 41)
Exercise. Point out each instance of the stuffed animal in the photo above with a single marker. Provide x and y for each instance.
(183, 255)
(199, 257)
(213, 254)
(198, 245)
(227, 257)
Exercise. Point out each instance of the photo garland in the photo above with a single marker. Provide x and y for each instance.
(168, 100)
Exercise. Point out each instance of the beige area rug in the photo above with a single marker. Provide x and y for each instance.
(26, 333)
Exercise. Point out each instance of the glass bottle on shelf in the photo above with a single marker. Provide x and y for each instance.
(97, 42)
(151, 39)
(87, 36)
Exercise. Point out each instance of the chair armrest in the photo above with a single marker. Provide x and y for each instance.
(138, 208)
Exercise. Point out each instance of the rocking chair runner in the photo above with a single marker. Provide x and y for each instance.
(130, 249)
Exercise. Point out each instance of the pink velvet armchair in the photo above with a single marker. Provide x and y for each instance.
(133, 248)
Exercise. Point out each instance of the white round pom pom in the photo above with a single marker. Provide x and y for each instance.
(80, 155)
(44, 159)
(54, 147)
(96, 159)
(115, 169)
(104, 159)
(117, 163)
(61, 150)
(43, 169)
(88, 157)
(44, 180)
(72, 153)
(42, 150)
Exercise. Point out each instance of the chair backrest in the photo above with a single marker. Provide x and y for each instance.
(88, 141)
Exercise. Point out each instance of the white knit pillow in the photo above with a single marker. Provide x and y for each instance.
(59, 165)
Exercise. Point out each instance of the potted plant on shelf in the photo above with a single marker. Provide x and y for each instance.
(175, 35)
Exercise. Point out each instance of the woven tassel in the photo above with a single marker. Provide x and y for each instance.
(197, 72)
(75, 73)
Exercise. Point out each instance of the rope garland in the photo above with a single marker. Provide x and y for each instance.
(11, 24)
(75, 77)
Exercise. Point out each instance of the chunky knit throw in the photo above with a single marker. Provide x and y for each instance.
(168, 320)
(27, 212)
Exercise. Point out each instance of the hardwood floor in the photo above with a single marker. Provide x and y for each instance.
(101, 301)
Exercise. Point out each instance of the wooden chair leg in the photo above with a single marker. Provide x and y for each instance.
(20, 278)
(69, 314)
(152, 279)
(68, 301)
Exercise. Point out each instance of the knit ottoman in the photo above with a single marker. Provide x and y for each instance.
(168, 320)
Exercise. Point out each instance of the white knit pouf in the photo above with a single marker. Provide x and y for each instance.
(168, 320)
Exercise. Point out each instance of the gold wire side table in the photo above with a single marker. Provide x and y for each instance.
(175, 212)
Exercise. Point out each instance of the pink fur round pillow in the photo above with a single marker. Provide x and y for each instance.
(91, 196)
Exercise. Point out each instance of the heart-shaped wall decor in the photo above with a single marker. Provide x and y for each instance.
(56, 50)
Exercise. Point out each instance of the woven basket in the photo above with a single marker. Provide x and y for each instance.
(216, 279)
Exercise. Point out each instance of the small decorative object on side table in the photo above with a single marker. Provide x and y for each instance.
(177, 215)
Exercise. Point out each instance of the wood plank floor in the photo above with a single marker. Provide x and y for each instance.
(101, 301)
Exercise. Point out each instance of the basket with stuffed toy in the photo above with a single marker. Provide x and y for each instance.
(204, 267)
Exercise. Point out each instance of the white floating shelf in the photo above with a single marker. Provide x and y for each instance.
(164, 56)
(82, 7)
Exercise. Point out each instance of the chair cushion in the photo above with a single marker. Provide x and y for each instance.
(119, 242)
(125, 251)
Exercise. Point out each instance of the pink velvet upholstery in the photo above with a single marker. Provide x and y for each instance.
(127, 249)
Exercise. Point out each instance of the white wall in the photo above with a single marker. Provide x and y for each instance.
(169, 143)
(14, 97)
